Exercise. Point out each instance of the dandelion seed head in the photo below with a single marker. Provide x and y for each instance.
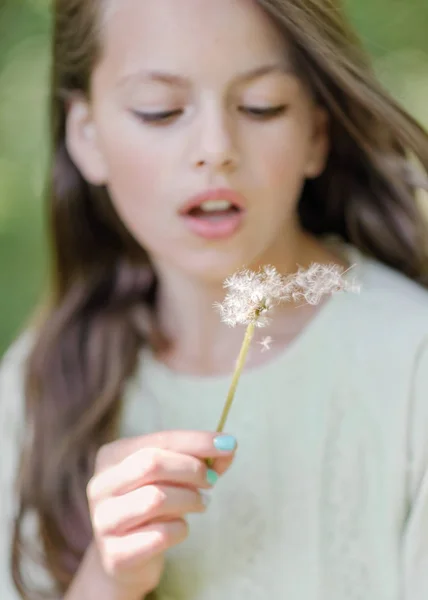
(252, 295)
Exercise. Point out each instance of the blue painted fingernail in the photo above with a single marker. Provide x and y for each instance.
(212, 477)
(225, 443)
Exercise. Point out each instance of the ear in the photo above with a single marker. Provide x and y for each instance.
(82, 142)
(319, 143)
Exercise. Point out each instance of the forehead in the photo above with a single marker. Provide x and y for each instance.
(190, 35)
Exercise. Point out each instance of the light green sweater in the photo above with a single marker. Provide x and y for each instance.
(328, 496)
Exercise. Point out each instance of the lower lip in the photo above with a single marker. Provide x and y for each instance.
(219, 229)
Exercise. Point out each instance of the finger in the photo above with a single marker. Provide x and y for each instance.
(146, 466)
(200, 444)
(119, 514)
(221, 465)
(121, 553)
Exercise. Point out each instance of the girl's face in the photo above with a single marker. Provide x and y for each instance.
(194, 96)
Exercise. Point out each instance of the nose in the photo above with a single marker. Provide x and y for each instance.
(214, 148)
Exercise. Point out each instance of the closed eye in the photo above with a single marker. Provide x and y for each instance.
(158, 117)
(256, 112)
(263, 112)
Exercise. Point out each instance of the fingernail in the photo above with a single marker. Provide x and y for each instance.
(225, 442)
(212, 477)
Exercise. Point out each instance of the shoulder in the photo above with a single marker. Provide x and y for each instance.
(15, 356)
(12, 403)
(12, 364)
(12, 431)
(382, 340)
(390, 311)
(12, 382)
(381, 281)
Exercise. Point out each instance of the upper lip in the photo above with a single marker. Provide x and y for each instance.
(235, 198)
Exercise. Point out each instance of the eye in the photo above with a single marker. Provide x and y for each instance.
(261, 113)
(157, 117)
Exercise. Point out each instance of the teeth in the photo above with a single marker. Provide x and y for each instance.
(214, 205)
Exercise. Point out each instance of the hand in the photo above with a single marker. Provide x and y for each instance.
(140, 494)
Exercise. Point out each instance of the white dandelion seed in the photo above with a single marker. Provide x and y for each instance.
(319, 280)
(266, 343)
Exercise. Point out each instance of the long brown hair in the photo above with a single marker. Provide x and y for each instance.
(103, 290)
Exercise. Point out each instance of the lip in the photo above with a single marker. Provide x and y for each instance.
(216, 194)
(221, 228)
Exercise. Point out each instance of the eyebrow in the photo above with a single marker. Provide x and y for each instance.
(180, 81)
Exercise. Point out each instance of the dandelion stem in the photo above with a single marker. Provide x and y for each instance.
(236, 375)
(234, 383)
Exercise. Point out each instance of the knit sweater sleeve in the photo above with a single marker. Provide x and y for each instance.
(415, 538)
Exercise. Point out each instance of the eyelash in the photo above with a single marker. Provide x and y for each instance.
(253, 111)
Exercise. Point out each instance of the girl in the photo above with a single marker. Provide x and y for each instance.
(191, 138)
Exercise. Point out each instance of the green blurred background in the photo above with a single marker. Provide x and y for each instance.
(395, 32)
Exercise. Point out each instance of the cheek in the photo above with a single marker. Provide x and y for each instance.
(134, 171)
(280, 171)
(284, 155)
(130, 165)
(135, 185)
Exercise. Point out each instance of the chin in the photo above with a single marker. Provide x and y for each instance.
(215, 267)
(211, 264)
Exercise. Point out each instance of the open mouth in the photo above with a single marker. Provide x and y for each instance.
(214, 210)
(214, 219)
